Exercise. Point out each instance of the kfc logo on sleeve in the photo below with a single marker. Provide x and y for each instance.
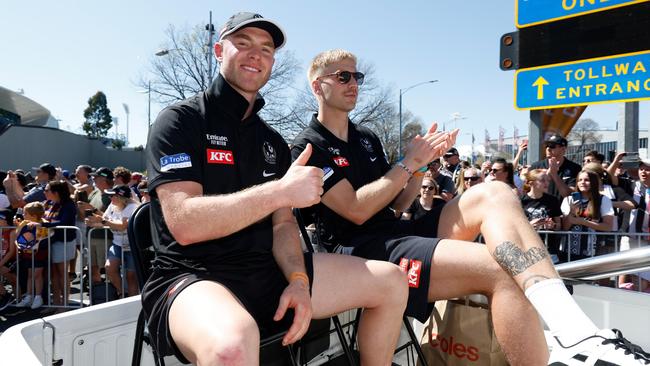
(220, 157)
(341, 161)
(412, 267)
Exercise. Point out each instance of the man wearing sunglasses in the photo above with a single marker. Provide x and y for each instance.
(230, 269)
(356, 216)
(562, 171)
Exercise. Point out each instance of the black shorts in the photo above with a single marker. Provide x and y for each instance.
(410, 245)
(259, 291)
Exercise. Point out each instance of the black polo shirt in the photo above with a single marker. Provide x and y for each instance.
(204, 139)
(568, 172)
(361, 160)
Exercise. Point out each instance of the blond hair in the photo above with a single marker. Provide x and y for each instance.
(326, 58)
(35, 209)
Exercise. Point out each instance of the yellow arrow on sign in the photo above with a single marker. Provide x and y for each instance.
(540, 83)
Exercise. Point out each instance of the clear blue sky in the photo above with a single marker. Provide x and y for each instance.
(61, 53)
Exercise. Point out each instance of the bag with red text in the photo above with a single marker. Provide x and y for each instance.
(459, 332)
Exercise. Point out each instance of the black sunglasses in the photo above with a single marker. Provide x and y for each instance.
(428, 188)
(552, 145)
(472, 178)
(494, 171)
(344, 77)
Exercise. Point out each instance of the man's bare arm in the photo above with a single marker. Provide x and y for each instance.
(405, 198)
(192, 217)
(287, 249)
(359, 205)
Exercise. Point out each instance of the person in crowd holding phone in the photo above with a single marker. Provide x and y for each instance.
(17, 197)
(562, 171)
(116, 217)
(98, 201)
(623, 171)
(586, 210)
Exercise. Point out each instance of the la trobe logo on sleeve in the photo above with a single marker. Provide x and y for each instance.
(180, 160)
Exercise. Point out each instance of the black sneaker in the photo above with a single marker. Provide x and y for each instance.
(608, 347)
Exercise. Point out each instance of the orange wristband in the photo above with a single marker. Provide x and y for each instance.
(299, 276)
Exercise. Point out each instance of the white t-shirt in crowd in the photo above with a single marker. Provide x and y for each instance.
(606, 207)
(4, 202)
(113, 213)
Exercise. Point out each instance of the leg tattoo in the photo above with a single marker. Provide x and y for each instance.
(514, 260)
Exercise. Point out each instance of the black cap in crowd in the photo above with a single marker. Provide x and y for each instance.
(246, 19)
(47, 168)
(120, 190)
(451, 152)
(556, 139)
(7, 215)
(103, 172)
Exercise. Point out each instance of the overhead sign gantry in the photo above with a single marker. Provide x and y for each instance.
(598, 52)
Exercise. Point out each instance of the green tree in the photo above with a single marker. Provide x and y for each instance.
(98, 116)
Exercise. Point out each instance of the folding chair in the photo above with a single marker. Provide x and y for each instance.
(143, 252)
(272, 352)
(413, 339)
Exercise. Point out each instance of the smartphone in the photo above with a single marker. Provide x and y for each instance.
(576, 196)
(88, 213)
(82, 196)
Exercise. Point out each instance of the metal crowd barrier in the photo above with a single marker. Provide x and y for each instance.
(85, 261)
(107, 244)
(610, 254)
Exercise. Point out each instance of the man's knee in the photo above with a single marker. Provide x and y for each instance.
(393, 284)
(234, 347)
(493, 193)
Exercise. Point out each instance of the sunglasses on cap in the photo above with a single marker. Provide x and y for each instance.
(552, 145)
(472, 178)
(344, 77)
(428, 188)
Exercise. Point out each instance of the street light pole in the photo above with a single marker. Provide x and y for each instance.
(399, 144)
(126, 110)
(149, 108)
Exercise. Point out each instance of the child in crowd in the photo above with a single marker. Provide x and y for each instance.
(29, 234)
(7, 256)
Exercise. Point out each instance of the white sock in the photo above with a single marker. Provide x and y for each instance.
(559, 310)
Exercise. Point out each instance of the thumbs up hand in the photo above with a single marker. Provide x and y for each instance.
(303, 185)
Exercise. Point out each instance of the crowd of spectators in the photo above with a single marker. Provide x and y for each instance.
(39, 241)
(596, 208)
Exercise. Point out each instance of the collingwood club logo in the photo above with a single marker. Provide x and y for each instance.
(269, 153)
(367, 145)
(334, 151)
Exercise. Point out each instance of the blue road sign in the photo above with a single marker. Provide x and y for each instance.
(619, 78)
(532, 12)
